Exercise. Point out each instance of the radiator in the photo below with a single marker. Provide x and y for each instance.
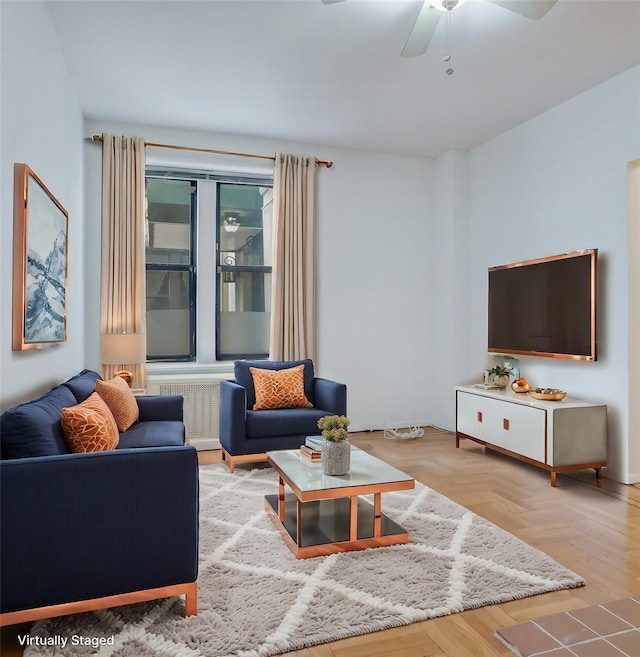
(201, 403)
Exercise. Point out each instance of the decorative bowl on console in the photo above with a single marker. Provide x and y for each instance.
(547, 394)
(520, 385)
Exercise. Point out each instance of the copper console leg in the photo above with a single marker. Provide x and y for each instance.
(599, 477)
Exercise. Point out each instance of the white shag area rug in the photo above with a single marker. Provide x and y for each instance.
(256, 599)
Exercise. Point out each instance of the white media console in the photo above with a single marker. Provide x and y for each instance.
(555, 435)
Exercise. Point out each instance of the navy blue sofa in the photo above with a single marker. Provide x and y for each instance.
(94, 530)
(246, 435)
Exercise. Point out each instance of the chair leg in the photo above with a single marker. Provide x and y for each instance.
(231, 460)
(191, 601)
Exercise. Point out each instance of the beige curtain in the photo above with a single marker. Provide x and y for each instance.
(293, 302)
(123, 298)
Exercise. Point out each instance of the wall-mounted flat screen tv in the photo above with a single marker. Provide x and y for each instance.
(545, 307)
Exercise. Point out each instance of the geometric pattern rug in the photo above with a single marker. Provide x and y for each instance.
(256, 599)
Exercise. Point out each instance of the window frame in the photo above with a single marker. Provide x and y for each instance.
(194, 177)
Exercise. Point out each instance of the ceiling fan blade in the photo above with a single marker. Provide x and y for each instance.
(533, 9)
(422, 31)
(330, 2)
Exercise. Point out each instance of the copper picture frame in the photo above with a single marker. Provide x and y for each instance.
(40, 264)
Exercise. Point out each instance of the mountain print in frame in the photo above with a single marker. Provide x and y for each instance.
(40, 264)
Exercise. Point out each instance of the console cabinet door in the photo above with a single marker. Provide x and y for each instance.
(481, 417)
(494, 414)
(469, 415)
(526, 434)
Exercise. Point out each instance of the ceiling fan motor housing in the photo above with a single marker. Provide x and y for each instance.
(446, 5)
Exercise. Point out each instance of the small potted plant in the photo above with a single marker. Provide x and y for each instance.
(336, 451)
(499, 374)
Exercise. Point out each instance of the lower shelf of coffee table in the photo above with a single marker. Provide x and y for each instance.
(326, 526)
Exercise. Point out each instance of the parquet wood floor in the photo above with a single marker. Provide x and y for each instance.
(593, 531)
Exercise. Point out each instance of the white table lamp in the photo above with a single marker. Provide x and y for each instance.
(123, 349)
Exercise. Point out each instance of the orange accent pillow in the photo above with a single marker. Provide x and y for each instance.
(89, 426)
(279, 388)
(122, 403)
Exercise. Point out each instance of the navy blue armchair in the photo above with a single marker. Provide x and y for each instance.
(83, 531)
(247, 434)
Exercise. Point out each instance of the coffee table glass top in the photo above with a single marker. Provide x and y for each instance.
(366, 470)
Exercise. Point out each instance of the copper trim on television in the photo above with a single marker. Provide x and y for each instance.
(593, 356)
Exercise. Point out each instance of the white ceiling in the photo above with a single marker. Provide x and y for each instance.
(301, 70)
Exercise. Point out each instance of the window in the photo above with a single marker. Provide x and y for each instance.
(244, 280)
(215, 229)
(170, 269)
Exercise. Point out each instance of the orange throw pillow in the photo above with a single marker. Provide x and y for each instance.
(279, 388)
(122, 403)
(89, 426)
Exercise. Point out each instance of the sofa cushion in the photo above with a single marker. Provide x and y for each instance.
(34, 428)
(160, 407)
(284, 422)
(279, 388)
(161, 433)
(90, 426)
(83, 384)
(243, 376)
(117, 395)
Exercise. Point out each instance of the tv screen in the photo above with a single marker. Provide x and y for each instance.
(545, 307)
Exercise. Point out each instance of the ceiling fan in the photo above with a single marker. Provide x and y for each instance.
(432, 10)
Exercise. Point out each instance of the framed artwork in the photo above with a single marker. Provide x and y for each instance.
(39, 264)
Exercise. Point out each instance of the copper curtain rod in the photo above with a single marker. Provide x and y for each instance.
(326, 163)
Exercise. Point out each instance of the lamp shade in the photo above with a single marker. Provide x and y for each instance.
(123, 348)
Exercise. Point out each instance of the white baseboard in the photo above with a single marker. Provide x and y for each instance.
(204, 444)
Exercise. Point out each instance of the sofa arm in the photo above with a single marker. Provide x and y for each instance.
(331, 396)
(160, 407)
(233, 417)
(83, 526)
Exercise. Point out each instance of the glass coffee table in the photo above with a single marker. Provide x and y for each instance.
(326, 514)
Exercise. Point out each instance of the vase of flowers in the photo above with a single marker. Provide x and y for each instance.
(336, 450)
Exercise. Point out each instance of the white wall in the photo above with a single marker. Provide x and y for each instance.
(41, 126)
(375, 295)
(554, 184)
(375, 250)
(449, 315)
